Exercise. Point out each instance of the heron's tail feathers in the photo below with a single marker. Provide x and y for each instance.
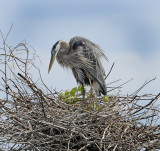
(99, 88)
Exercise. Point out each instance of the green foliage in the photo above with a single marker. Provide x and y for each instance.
(75, 94)
(106, 98)
(71, 97)
(97, 106)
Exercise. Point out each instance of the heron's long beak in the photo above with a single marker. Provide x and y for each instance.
(51, 62)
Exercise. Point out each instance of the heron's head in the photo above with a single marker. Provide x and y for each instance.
(54, 51)
(59, 45)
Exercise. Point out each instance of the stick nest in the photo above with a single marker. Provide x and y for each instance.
(33, 117)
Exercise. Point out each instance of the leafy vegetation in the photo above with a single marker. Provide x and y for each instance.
(75, 95)
(71, 97)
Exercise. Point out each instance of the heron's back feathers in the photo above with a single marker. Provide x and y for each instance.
(85, 59)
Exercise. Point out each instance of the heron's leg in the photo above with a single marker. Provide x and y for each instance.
(83, 93)
(90, 91)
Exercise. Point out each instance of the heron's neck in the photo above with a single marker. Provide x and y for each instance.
(62, 55)
(64, 49)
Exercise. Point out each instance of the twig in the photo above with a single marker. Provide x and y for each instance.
(120, 85)
(34, 118)
(109, 71)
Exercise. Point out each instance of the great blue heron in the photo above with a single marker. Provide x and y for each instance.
(83, 57)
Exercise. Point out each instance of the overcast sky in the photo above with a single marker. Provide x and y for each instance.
(128, 31)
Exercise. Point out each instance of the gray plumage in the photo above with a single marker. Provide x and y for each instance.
(84, 59)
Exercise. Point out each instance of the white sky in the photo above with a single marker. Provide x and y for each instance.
(127, 31)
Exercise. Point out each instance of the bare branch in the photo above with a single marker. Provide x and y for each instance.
(35, 118)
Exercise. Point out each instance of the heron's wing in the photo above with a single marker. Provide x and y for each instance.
(80, 41)
(87, 55)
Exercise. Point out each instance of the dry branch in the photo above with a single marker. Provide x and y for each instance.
(32, 119)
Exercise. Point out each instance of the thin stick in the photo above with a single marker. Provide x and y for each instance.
(109, 71)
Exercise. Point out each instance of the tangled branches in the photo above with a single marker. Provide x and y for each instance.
(32, 117)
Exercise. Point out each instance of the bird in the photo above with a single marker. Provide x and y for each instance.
(83, 57)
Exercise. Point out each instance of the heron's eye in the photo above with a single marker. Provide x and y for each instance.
(55, 45)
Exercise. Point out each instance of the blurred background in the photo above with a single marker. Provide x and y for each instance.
(127, 31)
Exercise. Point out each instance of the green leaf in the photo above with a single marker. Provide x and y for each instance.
(80, 88)
(73, 91)
(70, 97)
(98, 106)
(67, 93)
(74, 101)
(62, 95)
(106, 98)
(65, 100)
